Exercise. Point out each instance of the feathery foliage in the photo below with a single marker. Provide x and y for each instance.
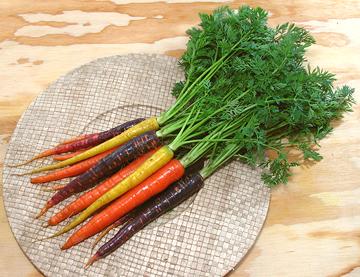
(252, 79)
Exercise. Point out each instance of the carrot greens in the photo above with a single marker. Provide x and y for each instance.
(283, 103)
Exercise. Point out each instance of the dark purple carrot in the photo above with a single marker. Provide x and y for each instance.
(106, 167)
(165, 201)
(86, 142)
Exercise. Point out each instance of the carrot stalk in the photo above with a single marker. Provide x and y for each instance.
(89, 197)
(149, 124)
(164, 202)
(157, 182)
(106, 167)
(71, 171)
(67, 156)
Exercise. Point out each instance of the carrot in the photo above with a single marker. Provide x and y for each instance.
(106, 167)
(77, 138)
(52, 188)
(73, 170)
(86, 142)
(89, 197)
(164, 202)
(67, 156)
(116, 224)
(156, 183)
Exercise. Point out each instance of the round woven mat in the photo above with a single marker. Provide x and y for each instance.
(206, 236)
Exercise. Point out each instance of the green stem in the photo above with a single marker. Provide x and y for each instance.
(229, 151)
(187, 94)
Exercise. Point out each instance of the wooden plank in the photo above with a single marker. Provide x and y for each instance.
(313, 224)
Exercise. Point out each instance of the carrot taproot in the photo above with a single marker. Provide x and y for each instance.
(77, 138)
(52, 188)
(66, 156)
(122, 220)
(71, 171)
(175, 194)
(146, 125)
(89, 197)
(157, 182)
(106, 167)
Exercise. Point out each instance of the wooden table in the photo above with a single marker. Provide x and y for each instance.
(313, 225)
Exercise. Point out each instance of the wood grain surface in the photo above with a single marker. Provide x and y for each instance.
(313, 225)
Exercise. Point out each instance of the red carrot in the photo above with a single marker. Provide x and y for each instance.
(89, 197)
(106, 167)
(156, 183)
(165, 201)
(70, 171)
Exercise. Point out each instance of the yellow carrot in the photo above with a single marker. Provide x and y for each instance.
(149, 124)
(150, 166)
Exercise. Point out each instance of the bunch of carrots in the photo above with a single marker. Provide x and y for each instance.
(246, 90)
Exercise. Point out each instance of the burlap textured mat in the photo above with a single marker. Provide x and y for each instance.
(206, 236)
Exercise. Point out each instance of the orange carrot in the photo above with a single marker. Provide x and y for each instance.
(89, 197)
(68, 155)
(73, 170)
(153, 185)
(121, 221)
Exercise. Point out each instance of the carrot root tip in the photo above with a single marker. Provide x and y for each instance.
(53, 188)
(65, 246)
(46, 189)
(22, 163)
(91, 261)
(22, 174)
(96, 242)
(42, 239)
(39, 156)
(43, 211)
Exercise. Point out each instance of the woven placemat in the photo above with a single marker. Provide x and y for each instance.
(206, 236)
